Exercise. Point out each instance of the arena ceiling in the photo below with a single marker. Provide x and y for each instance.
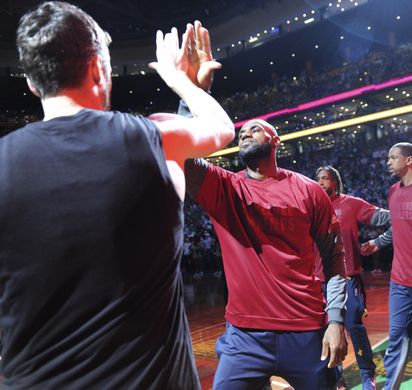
(132, 18)
(129, 18)
(132, 23)
(137, 19)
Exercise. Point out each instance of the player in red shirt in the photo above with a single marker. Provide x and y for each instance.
(400, 293)
(352, 211)
(267, 220)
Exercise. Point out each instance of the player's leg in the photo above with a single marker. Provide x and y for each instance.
(355, 309)
(300, 364)
(400, 312)
(247, 359)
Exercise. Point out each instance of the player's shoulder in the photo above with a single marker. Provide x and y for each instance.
(301, 179)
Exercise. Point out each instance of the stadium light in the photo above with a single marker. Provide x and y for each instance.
(334, 98)
(332, 126)
(349, 122)
(310, 20)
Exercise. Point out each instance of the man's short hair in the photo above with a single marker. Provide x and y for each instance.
(334, 175)
(405, 148)
(55, 42)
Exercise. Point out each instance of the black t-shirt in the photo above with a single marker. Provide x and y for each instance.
(90, 244)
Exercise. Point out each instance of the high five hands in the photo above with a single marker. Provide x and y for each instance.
(192, 59)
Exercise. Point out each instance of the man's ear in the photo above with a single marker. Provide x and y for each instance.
(96, 69)
(275, 141)
(32, 88)
(409, 161)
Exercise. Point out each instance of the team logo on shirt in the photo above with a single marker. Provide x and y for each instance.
(403, 211)
(272, 219)
(406, 212)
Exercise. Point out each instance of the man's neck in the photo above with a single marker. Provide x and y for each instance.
(263, 169)
(407, 179)
(68, 103)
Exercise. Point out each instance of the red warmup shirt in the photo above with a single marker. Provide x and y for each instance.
(400, 206)
(351, 211)
(265, 229)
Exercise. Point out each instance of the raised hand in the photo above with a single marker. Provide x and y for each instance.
(201, 63)
(172, 60)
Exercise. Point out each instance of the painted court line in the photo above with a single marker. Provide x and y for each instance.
(378, 344)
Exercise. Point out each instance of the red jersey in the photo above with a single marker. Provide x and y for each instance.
(400, 206)
(266, 231)
(351, 211)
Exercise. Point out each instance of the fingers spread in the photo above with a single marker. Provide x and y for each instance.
(153, 65)
(213, 65)
(198, 30)
(175, 39)
(206, 46)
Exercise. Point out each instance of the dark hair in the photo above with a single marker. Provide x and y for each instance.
(334, 175)
(55, 42)
(405, 148)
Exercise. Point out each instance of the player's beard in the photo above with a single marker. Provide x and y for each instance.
(253, 153)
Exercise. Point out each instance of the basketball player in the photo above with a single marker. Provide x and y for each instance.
(400, 292)
(352, 211)
(267, 220)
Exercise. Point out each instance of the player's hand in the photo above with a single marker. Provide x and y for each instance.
(172, 61)
(334, 344)
(369, 247)
(201, 63)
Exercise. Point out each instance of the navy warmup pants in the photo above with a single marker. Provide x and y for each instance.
(400, 312)
(248, 358)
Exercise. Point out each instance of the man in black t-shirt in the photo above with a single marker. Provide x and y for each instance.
(91, 216)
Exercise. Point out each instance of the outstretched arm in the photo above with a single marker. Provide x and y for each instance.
(380, 217)
(372, 246)
(210, 128)
(200, 71)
